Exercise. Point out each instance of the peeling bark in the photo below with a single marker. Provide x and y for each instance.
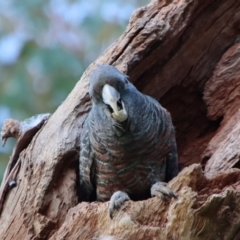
(210, 204)
(222, 96)
(170, 50)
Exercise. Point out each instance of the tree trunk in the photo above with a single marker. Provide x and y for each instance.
(186, 54)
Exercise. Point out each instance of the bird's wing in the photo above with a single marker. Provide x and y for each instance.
(172, 162)
(85, 165)
(168, 139)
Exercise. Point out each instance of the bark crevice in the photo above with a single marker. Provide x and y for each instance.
(186, 55)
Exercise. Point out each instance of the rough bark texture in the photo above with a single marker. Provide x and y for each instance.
(185, 54)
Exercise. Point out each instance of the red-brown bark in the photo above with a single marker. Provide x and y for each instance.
(185, 54)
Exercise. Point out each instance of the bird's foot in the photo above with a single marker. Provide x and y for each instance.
(116, 201)
(160, 190)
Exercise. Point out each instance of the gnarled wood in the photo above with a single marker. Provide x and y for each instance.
(169, 50)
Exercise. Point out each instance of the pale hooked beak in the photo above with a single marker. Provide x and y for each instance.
(4, 139)
(112, 98)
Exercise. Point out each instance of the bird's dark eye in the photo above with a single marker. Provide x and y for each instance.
(109, 108)
(119, 104)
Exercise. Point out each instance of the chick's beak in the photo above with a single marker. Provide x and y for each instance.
(4, 139)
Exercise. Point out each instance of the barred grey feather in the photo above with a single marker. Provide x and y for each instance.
(128, 155)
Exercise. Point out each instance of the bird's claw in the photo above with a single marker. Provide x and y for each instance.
(159, 189)
(116, 201)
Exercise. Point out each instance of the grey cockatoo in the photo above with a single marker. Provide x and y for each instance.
(128, 147)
